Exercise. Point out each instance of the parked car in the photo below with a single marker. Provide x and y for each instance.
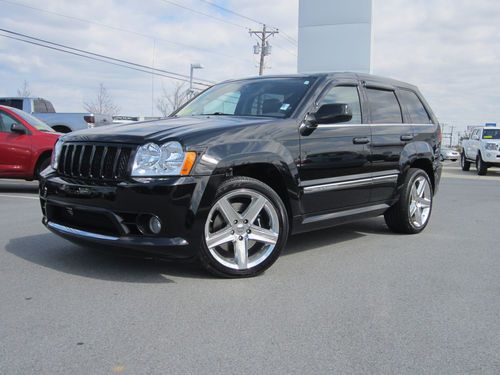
(449, 154)
(231, 174)
(483, 149)
(25, 144)
(60, 122)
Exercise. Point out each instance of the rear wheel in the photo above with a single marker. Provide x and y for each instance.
(246, 229)
(464, 163)
(411, 213)
(481, 167)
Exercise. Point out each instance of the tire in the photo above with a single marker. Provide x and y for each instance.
(246, 229)
(411, 213)
(481, 167)
(42, 164)
(464, 163)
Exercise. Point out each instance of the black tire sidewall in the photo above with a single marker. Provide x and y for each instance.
(252, 184)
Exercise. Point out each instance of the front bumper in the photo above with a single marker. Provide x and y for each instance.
(112, 215)
(491, 157)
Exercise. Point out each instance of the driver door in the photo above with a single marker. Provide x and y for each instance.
(15, 149)
(335, 162)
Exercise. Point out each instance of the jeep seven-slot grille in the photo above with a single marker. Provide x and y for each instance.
(96, 162)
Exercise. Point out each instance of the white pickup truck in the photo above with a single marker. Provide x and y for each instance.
(60, 122)
(483, 148)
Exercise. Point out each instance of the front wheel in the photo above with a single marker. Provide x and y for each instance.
(246, 229)
(481, 167)
(464, 163)
(411, 213)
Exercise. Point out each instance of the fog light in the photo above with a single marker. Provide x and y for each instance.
(155, 225)
(488, 154)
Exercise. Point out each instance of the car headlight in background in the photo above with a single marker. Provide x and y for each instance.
(167, 160)
(56, 153)
(491, 146)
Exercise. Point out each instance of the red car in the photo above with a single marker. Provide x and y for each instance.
(26, 144)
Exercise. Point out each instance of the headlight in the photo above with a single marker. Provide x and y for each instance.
(56, 153)
(166, 160)
(490, 146)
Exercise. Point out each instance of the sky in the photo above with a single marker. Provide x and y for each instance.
(450, 49)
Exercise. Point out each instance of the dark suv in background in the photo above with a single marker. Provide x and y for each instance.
(228, 177)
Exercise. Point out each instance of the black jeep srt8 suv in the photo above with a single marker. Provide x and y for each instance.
(229, 176)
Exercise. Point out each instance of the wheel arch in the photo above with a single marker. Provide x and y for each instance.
(40, 158)
(62, 128)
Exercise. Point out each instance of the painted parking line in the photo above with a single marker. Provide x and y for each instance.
(17, 196)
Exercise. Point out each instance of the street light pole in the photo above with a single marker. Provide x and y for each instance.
(193, 67)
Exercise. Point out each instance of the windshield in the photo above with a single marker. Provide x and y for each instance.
(491, 134)
(267, 97)
(33, 121)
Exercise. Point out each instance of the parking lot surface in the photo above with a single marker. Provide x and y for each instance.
(351, 299)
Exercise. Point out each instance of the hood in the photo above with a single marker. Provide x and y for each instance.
(176, 128)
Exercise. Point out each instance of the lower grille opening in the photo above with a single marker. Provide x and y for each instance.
(89, 221)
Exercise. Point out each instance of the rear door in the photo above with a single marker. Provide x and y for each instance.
(389, 136)
(335, 158)
(15, 149)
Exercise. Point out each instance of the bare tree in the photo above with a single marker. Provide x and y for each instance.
(25, 90)
(103, 104)
(171, 100)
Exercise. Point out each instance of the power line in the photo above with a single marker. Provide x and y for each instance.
(99, 55)
(90, 57)
(232, 12)
(203, 14)
(282, 33)
(116, 28)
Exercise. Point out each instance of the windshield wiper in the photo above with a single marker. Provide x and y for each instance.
(216, 114)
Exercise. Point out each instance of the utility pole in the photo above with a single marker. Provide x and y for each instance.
(263, 48)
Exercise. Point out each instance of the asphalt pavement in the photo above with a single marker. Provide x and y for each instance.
(355, 299)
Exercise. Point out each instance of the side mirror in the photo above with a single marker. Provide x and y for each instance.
(333, 113)
(326, 114)
(18, 129)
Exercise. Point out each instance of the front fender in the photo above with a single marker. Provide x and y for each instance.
(219, 160)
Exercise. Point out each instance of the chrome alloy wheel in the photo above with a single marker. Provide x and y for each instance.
(242, 229)
(420, 202)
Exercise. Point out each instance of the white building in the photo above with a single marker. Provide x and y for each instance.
(335, 35)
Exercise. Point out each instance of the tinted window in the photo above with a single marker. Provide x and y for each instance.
(50, 107)
(15, 103)
(39, 106)
(273, 97)
(345, 95)
(6, 122)
(417, 111)
(384, 107)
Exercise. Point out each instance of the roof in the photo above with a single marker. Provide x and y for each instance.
(352, 75)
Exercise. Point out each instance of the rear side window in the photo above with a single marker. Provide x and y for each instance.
(50, 107)
(15, 103)
(39, 106)
(417, 111)
(384, 107)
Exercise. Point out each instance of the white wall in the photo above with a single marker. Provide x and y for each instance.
(335, 35)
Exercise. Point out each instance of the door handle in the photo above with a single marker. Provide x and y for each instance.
(406, 138)
(361, 140)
